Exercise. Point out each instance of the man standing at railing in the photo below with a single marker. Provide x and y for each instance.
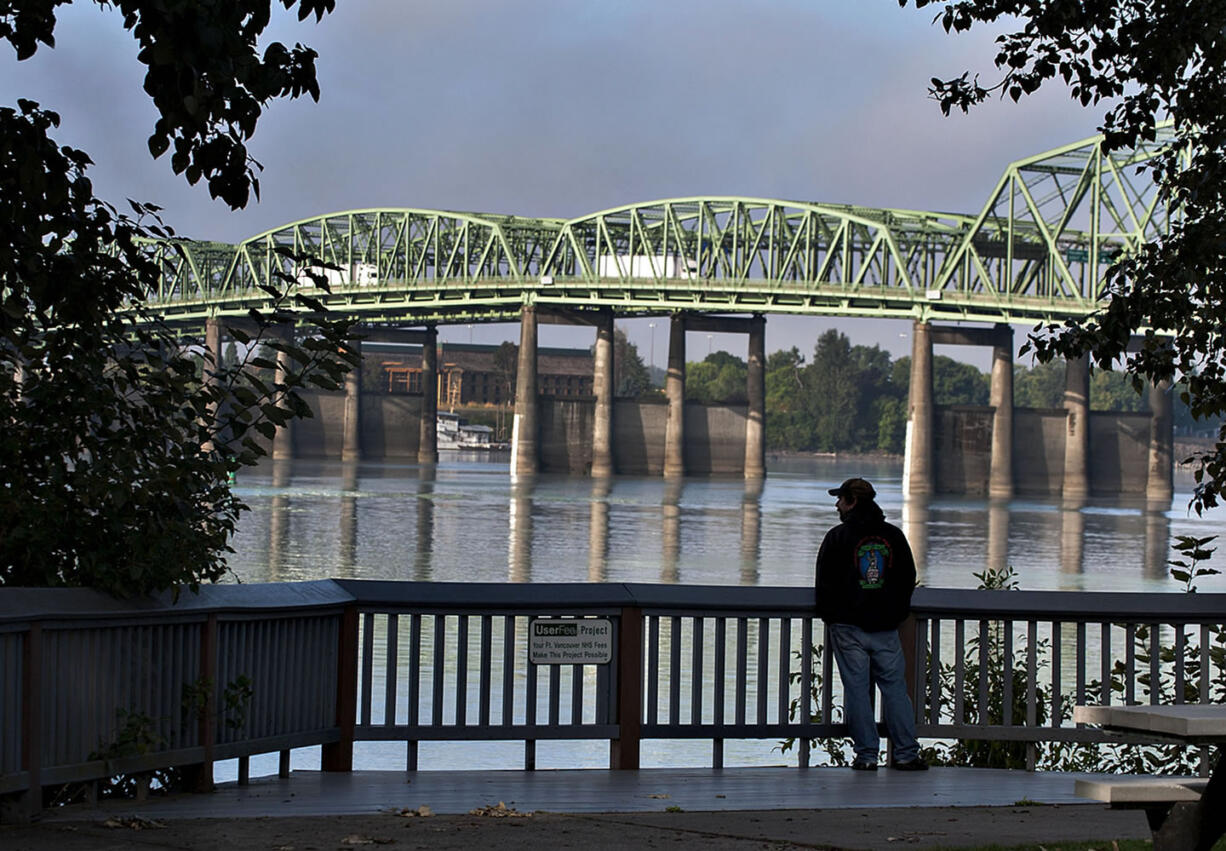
(865, 576)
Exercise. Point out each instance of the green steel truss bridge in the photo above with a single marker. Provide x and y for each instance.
(1038, 250)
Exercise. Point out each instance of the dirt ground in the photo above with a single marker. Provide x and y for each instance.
(924, 827)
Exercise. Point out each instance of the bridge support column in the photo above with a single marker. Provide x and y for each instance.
(212, 364)
(755, 389)
(283, 441)
(674, 431)
(351, 441)
(602, 386)
(1000, 481)
(427, 440)
(1159, 485)
(524, 457)
(918, 477)
(1077, 435)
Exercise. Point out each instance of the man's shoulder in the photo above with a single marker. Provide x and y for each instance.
(838, 530)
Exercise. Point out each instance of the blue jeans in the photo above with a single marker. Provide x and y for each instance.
(866, 658)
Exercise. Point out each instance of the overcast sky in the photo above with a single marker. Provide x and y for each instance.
(567, 107)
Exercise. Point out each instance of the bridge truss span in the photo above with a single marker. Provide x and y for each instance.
(1039, 250)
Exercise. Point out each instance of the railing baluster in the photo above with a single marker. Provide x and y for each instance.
(508, 670)
(1032, 673)
(368, 663)
(959, 671)
(827, 677)
(653, 669)
(576, 694)
(763, 675)
(934, 673)
(696, 681)
(1205, 662)
(1105, 665)
(674, 670)
(1155, 682)
(486, 673)
(461, 671)
(742, 650)
(1181, 648)
(530, 699)
(436, 679)
(414, 684)
(784, 668)
(1057, 671)
(390, 662)
(719, 695)
(982, 717)
(1130, 663)
(1081, 662)
(1007, 674)
(555, 697)
(806, 686)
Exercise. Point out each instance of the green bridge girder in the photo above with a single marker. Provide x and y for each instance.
(1037, 251)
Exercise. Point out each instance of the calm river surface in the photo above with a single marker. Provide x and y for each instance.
(465, 520)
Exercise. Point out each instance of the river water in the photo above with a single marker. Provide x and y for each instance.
(466, 520)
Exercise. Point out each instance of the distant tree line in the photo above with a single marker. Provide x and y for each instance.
(853, 398)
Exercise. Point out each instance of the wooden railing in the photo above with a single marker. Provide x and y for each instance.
(91, 687)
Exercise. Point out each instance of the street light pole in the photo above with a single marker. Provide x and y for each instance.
(652, 326)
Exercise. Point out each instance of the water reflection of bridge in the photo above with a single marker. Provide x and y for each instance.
(524, 531)
(1037, 252)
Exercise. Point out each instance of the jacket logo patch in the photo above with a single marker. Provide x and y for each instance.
(872, 561)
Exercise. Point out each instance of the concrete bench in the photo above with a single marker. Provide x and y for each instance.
(1170, 804)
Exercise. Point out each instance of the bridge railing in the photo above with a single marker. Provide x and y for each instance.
(91, 687)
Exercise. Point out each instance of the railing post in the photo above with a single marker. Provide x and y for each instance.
(31, 721)
(339, 755)
(198, 777)
(624, 750)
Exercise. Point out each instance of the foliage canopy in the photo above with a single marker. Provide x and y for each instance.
(117, 447)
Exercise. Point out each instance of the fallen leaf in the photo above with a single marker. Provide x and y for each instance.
(500, 811)
(132, 823)
(421, 812)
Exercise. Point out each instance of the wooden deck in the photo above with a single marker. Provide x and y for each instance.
(307, 793)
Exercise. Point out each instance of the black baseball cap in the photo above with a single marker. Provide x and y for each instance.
(855, 488)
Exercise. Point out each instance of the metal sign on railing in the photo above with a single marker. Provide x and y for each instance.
(570, 641)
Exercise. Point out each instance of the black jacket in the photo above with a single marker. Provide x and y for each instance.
(865, 572)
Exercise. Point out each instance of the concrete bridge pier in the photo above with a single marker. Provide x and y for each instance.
(602, 387)
(755, 390)
(755, 380)
(524, 440)
(283, 440)
(1000, 479)
(674, 386)
(1000, 338)
(917, 463)
(1077, 437)
(1159, 486)
(351, 439)
(427, 440)
(212, 345)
